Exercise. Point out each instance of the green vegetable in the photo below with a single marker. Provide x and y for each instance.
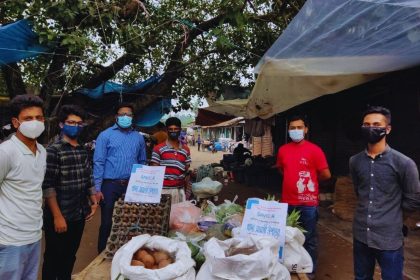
(226, 210)
(293, 220)
(194, 249)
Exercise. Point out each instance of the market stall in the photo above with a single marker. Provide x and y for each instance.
(152, 239)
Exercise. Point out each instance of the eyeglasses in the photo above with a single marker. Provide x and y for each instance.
(125, 114)
(74, 123)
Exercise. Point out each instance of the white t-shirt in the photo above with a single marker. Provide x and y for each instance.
(21, 176)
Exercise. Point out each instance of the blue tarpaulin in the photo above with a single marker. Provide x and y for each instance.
(153, 113)
(18, 41)
(111, 87)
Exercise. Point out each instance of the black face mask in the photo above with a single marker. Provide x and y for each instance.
(174, 135)
(373, 134)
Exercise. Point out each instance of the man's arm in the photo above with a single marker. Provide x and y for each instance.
(410, 186)
(51, 180)
(4, 166)
(142, 153)
(353, 175)
(99, 158)
(324, 174)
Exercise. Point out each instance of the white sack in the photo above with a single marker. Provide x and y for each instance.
(181, 269)
(296, 258)
(256, 266)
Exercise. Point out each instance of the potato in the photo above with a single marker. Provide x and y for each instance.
(139, 254)
(148, 260)
(136, 263)
(155, 267)
(160, 256)
(164, 263)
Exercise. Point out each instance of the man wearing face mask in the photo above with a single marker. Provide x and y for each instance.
(176, 157)
(386, 182)
(22, 169)
(67, 189)
(303, 165)
(117, 149)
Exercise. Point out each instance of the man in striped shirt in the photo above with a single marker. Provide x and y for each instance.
(175, 156)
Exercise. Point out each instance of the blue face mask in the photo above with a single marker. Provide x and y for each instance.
(124, 121)
(72, 131)
(296, 135)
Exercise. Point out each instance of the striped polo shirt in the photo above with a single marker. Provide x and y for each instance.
(175, 161)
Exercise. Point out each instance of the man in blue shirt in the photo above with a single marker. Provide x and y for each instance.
(117, 149)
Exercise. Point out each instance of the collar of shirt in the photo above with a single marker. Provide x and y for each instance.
(384, 153)
(115, 127)
(63, 141)
(181, 147)
(23, 148)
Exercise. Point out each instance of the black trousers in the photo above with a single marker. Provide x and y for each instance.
(60, 250)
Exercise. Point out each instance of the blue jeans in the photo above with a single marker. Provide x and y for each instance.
(112, 191)
(20, 262)
(391, 262)
(308, 220)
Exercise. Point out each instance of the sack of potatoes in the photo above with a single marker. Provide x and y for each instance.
(153, 257)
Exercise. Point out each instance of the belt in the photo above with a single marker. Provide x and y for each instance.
(172, 188)
(118, 181)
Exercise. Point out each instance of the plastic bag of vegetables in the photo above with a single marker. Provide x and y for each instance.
(227, 209)
(206, 188)
(296, 258)
(184, 217)
(182, 267)
(195, 242)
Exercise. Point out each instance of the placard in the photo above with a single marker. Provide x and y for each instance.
(145, 184)
(265, 218)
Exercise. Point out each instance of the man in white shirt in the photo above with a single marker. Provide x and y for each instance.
(22, 169)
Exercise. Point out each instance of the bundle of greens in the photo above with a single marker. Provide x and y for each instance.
(293, 220)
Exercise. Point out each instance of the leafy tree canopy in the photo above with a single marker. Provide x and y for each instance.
(198, 46)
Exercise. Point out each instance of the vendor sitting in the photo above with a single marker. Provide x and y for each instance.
(241, 153)
(176, 157)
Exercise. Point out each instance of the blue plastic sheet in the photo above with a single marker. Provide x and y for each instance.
(111, 87)
(153, 113)
(18, 41)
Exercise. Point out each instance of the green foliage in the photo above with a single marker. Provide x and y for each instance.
(97, 32)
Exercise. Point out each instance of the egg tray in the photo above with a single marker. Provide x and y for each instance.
(132, 219)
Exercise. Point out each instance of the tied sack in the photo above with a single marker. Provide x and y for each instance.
(296, 258)
(181, 269)
(251, 258)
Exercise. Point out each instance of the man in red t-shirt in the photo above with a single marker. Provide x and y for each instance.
(175, 156)
(302, 164)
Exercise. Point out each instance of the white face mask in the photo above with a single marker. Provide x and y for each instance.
(297, 135)
(32, 129)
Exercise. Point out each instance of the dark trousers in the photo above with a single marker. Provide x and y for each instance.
(390, 261)
(308, 220)
(60, 250)
(199, 145)
(112, 191)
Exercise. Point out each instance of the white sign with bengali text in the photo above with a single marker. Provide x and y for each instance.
(145, 185)
(265, 218)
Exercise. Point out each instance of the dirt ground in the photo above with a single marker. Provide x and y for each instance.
(335, 248)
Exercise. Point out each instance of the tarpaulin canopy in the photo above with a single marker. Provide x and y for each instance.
(206, 118)
(152, 114)
(111, 87)
(334, 45)
(18, 41)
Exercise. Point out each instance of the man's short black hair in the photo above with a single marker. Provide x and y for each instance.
(173, 121)
(124, 105)
(297, 118)
(24, 101)
(378, 110)
(67, 110)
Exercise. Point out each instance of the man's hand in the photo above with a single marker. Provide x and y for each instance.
(99, 196)
(93, 208)
(60, 224)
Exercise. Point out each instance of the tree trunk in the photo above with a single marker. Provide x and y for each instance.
(13, 78)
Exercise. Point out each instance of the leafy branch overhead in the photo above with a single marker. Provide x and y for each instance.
(196, 46)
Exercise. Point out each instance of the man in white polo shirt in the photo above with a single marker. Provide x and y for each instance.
(22, 169)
